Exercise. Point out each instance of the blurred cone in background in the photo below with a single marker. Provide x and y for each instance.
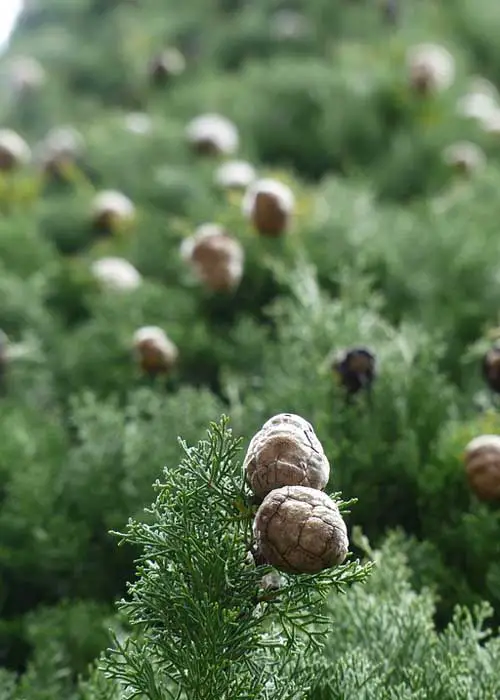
(138, 122)
(154, 351)
(355, 369)
(116, 274)
(166, 65)
(111, 210)
(26, 75)
(235, 175)
(269, 205)
(491, 368)
(431, 68)
(482, 464)
(464, 157)
(14, 151)
(216, 258)
(212, 134)
(60, 150)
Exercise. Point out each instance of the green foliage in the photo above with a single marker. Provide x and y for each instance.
(79, 479)
(383, 644)
(202, 632)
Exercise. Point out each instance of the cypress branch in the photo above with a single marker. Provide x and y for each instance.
(199, 629)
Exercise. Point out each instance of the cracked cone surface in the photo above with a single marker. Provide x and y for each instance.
(300, 530)
(285, 452)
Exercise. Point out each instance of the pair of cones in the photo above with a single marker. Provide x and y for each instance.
(297, 528)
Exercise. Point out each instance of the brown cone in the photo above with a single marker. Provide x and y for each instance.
(300, 530)
(268, 217)
(482, 463)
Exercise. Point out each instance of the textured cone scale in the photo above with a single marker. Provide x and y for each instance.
(300, 530)
(491, 368)
(269, 205)
(216, 258)
(482, 464)
(155, 352)
(285, 452)
(356, 369)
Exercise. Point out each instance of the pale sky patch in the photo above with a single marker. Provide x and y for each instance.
(9, 10)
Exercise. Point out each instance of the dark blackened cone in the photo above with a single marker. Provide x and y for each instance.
(491, 368)
(390, 11)
(356, 369)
